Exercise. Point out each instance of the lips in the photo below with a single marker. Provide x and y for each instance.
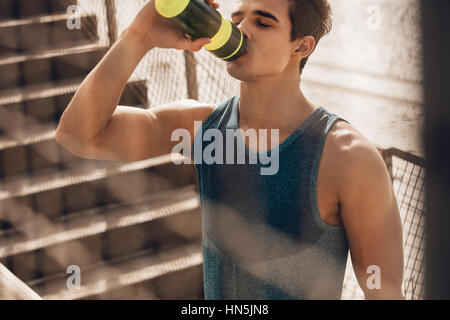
(246, 52)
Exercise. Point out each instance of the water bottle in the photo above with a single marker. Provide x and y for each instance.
(198, 19)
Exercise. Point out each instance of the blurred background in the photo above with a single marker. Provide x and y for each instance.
(133, 230)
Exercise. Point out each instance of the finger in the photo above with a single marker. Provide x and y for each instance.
(190, 45)
(213, 3)
(199, 44)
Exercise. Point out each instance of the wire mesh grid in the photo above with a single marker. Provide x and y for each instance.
(407, 173)
(214, 83)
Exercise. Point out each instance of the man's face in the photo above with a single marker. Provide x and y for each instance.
(267, 26)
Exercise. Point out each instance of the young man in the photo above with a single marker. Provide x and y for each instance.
(282, 236)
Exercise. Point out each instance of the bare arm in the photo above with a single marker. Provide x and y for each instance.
(89, 112)
(371, 218)
(134, 134)
(94, 126)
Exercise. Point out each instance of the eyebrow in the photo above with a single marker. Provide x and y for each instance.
(257, 13)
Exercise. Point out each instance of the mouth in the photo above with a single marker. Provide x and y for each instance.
(246, 51)
(245, 54)
(243, 51)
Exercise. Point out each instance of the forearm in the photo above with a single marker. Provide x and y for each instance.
(92, 106)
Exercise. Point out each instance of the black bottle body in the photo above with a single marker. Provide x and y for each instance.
(200, 20)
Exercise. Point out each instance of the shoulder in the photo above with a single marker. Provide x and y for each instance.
(351, 144)
(189, 104)
(188, 109)
(357, 160)
(202, 109)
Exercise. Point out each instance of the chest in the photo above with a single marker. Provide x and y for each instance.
(327, 178)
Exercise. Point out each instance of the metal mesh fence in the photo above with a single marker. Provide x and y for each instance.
(407, 173)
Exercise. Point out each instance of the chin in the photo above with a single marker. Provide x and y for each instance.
(243, 75)
(237, 71)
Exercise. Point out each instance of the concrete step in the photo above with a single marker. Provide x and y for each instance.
(27, 143)
(44, 248)
(40, 91)
(172, 273)
(41, 232)
(16, 9)
(30, 150)
(52, 64)
(34, 150)
(45, 103)
(134, 229)
(184, 284)
(19, 36)
(57, 193)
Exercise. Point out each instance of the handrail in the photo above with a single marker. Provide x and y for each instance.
(389, 153)
(406, 156)
(12, 288)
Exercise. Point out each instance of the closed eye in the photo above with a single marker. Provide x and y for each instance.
(258, 23)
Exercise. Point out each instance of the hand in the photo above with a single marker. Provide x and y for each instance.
(153, 30)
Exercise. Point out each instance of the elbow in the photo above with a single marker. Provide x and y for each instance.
(62, 132)
(65, 141)
(72, 138)
(70, 143)
(63, 136)
(59, 136)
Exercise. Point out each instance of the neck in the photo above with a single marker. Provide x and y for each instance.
(273, 103)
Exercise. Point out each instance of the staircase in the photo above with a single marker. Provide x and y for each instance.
(133, 229)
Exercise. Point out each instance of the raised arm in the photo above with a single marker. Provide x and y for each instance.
(94, 126)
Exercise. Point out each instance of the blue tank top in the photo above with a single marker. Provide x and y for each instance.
(262, 235)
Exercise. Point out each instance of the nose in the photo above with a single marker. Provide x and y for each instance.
(245, 36)
(245, 30)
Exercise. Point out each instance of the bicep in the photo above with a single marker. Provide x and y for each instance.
(129, 136)
(137, 134)
(372, 222)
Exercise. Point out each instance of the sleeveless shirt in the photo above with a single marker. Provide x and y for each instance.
(262, 235)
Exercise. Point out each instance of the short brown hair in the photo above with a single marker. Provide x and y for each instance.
(309, 18)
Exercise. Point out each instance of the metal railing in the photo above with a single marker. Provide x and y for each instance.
(12, 288)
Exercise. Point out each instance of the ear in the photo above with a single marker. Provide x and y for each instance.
(304, 46)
